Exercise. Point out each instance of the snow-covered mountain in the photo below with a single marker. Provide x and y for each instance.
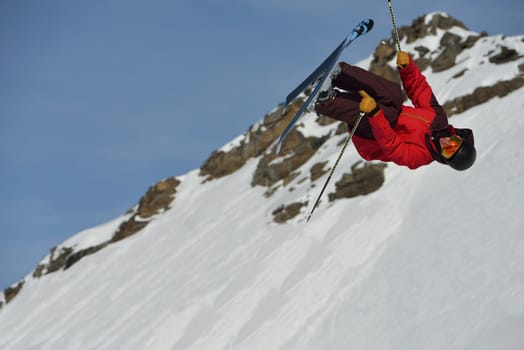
(221, 257)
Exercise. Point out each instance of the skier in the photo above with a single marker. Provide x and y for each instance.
(392, 132)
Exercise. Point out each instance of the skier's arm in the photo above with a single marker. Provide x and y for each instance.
(398, 151)
(415, 83)
(419, 91)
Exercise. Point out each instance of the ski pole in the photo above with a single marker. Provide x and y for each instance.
(395, 30)
(348, 138)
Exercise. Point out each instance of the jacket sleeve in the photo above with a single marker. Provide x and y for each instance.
(416, 86)
(421, 94)
(398, 151)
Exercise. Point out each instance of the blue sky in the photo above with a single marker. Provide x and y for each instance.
(101, 99)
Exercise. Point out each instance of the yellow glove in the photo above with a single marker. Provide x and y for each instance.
(402, 59)
(368, 104)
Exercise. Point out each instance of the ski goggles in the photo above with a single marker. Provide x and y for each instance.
(451, 147)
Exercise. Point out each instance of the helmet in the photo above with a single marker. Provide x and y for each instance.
(464, 157)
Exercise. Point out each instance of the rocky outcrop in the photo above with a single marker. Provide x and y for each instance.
(451, 46)
(317, 171)
(156, 200)
(254, 142)
(12, 292)
(296, 151)
(383, 54)
(386, 52)
(365, 178)
(504, 56)
(421, 27)
(271, 167)
(482, 94)
(287, 212)
(57, 260)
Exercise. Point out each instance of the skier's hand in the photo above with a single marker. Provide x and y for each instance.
(368, 104)
(402, 59)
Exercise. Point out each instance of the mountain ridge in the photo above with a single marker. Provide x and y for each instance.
(260, 137)
(278, 271)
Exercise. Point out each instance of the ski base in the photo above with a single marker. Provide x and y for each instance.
(319, 76)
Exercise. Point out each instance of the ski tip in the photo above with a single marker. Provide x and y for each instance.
(366, 25)
(370, 23)
(363, 27)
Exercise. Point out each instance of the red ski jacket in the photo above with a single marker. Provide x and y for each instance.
(404, 142)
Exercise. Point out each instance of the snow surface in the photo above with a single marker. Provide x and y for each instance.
(433, 260)
(94, 236)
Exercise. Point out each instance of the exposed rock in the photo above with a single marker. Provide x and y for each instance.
(74, 258)
(256, 140)
(317, 171)
(288, 212)
(294, 153)
(451, 44)
(384, 53)
(362, 180)
(506, 55)
(325, 121)
(221, 164)
(12, 292)
(57, 260)
(422, 50)
(129, 228)
(420, 29)
(482, 95)
(452, 48)
(460, 74)
(472, 40)
(342, 129)
(157, 199)
(422, 61)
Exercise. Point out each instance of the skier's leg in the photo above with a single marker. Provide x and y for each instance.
(387, 93)
(345, 107)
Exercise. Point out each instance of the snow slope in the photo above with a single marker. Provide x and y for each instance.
(433, 260)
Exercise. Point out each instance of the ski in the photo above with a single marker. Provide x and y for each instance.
(319, 75)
